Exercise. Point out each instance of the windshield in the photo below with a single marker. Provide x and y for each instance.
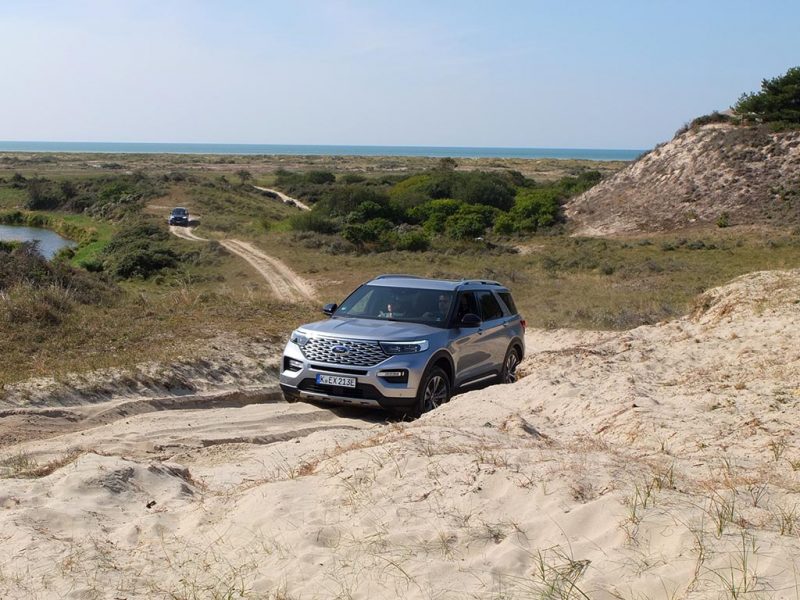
(429, 307)
(179, 212)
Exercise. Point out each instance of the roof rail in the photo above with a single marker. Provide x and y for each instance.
(397, 275)
(481, 282)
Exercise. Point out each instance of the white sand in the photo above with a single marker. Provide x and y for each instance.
(661, 462)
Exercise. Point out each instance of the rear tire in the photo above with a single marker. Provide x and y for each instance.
(434, 390)
(510, 363)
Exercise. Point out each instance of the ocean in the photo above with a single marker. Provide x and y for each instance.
(310, 150)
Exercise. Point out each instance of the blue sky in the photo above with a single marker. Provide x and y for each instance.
(579, 74)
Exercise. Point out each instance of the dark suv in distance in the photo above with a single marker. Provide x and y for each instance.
(405, 344)
(179, 216)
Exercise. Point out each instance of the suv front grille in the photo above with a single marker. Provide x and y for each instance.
(358, 354)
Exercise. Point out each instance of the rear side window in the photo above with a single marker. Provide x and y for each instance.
(490, 307)
(509, 302)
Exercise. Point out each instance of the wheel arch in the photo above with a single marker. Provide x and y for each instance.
(516, 342)
(444, 361)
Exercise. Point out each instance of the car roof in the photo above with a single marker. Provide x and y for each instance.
(424, 283)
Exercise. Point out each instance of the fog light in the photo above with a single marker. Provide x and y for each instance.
(394, 376)
(292, 364)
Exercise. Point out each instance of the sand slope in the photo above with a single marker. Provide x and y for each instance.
(660, 462)
(749, 174)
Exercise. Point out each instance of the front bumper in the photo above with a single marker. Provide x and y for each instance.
(372, 390)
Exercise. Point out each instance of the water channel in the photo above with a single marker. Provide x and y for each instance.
(49, 241)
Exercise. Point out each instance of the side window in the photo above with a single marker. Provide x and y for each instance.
(466, 304)
(490, 307)
(509, 302)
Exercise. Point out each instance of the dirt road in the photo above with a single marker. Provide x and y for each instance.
(286, 199)
(285, 283)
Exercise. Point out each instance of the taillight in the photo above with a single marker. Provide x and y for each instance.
(524, 324)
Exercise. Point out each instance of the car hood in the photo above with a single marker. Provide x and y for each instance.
(370, 329)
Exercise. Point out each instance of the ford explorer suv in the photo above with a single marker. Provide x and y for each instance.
(405, 344)
(179, 216)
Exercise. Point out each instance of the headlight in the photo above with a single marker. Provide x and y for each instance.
(404, 347)
(299, 338)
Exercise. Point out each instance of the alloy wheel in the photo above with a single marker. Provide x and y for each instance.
(435, 393)
(510, 368)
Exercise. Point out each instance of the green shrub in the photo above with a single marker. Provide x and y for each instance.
(504, 225)
(413, 241)
(535, 208)
(312, 221)
(352, 178)
(412, 191)
(485, 188)
(362, 234)
(470, 221)
(143, 260)
(714, 117)
(139, 250)
(724, 220)
(320, 177)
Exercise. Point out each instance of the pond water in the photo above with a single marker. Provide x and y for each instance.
(49, 242)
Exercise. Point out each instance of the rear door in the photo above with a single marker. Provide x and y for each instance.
(495, 336)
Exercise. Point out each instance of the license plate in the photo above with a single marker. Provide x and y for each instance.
(336, 380)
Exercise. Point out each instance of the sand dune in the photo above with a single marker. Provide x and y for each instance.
(660, 462)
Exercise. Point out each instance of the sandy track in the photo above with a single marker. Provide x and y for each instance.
(285, 283)
(163, 427)
(286, 199)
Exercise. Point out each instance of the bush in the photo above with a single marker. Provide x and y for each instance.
(470, 221)
(312, 221)
(485, 188)
(320, 177)
(535, 208)
(139, 250)
(342, 200)
(42, 195)
(714, 117)
(412, 192)
(143, 260)
(504, 225)
(434, 213)
(361, 234)
(413, 241)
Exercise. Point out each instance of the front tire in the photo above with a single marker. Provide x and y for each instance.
(510, 364)
(434, 390)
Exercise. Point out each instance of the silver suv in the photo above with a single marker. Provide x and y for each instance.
(405, 344)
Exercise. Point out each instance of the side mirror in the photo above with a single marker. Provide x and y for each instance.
(329, 309)
(470, 320)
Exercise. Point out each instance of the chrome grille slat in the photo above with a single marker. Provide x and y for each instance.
(360, 354)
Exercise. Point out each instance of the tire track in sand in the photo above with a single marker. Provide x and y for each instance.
(285, 283)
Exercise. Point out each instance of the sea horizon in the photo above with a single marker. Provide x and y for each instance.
(320, 150)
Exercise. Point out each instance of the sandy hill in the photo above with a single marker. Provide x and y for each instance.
(748, 173)
(660, 462)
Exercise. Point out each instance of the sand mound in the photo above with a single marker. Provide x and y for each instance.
(748, 174)
(660, 462)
